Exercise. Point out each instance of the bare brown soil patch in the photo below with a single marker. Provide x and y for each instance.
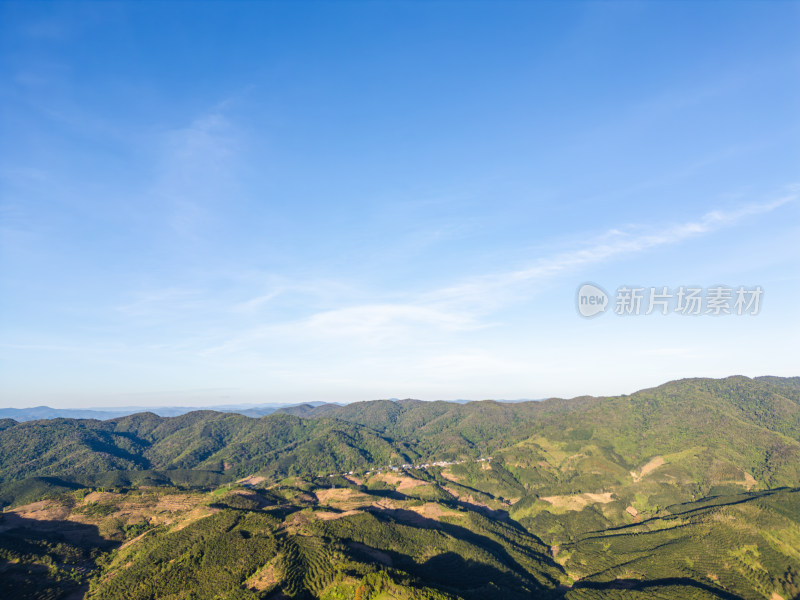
(327, 515)
(410, 484)
(651, 466)
(602, 498)
(452, 491)
(336, 495)
(390, 478)
(99, 497)
(431, 510)
(44, 510)
(127, 509)
(384, 503)
(297, 520)
(448, 475)
(463, 497)
(749, 481)
(410, 516)
(471, 501)
(402, 482)
(174, 503)
(252, 480)
(201, 512)
(49, 517)
(263, 579)
(578, 501)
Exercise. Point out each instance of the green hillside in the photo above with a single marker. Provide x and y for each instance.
(687, 490)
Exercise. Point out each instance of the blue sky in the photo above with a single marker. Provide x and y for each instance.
(220, 202)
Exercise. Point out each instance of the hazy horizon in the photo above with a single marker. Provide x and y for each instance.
(224, 403)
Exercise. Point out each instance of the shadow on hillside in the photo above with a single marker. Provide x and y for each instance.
(652, 585)
(458, 573)
(489, 512)
(691, 509)
(451, 501)
(390, 494)
(16, 527)
(33, 544)
(496, 514)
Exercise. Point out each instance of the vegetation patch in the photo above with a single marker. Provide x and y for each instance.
(578, 501)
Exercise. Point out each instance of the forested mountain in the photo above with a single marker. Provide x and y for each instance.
(687, 490)
(45, 412)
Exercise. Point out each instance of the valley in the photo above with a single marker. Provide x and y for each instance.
(688, 490)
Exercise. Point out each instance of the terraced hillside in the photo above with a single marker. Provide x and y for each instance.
(384, 536)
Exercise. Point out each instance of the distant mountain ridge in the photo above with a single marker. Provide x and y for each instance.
(36, 413)
(102, 414)
(738, 425)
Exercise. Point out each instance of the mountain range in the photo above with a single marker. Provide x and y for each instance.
(36, 413)
(687, 490)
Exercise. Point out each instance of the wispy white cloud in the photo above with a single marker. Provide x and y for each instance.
(470, 304)
(366, 325)
(197, 171)
(161, 302)
(197, 164)
(311, 292)
(617, 242)
(380, 320)
(254, 304)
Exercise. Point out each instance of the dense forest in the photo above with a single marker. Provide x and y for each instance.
(687, 490)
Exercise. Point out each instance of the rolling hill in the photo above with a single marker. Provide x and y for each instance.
(687, 490)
